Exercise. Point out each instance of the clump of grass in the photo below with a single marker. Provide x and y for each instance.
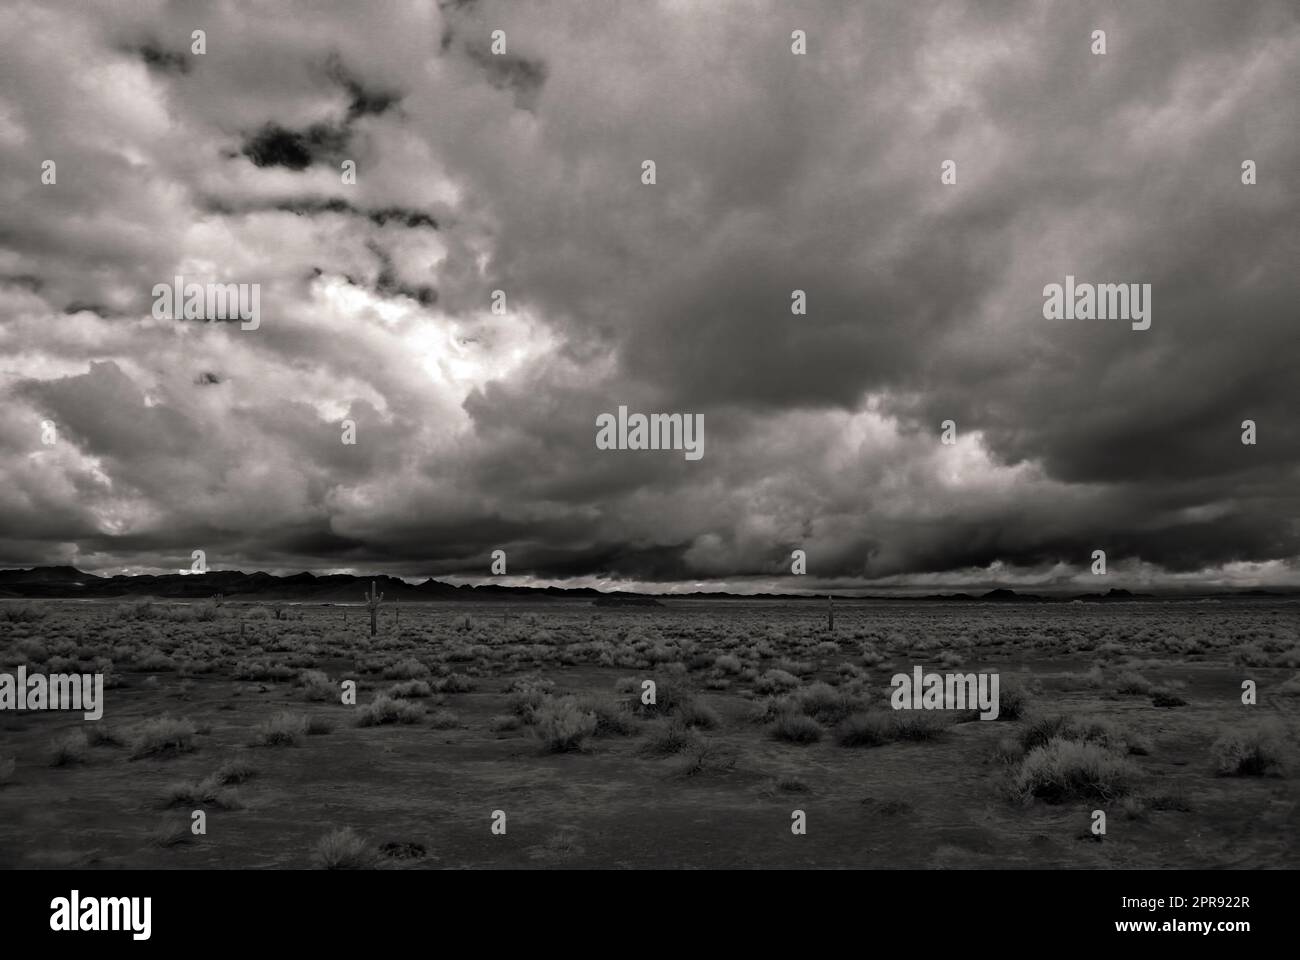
(563, 727)
(865, 730)
(161, 737)
(704, 756)
(235, 770)
(1104, 733)
(1014, 698)
(384, 710)
(100, 734)
(728, 663)
(282, 730)
(827, 705)
(503, 723)
(669, 737)
(69, 749)
(457, 683)
(911, 725)
(170, 833)
(206, 792)
(698, 715)
(612, 720)
(877, 727)
(1163, 697)
(775, 681)
(343, 849)
(444, 720)
(410, 690)
(1130, 681)
(316, 686)
(1063, 770)
(408, 669)
(796, 728)
(1252, 752)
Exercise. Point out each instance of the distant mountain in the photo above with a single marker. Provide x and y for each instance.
(63, 582)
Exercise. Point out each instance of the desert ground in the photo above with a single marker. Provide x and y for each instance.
(466, 711)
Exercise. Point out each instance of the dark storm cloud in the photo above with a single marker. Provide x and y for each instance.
(475, 429)
(277, 146)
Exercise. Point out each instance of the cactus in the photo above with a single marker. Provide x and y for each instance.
(830, 612)
(372, 604)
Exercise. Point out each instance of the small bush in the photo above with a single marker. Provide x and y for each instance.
(563, 727)
(1130, 681)
(69, 749)
(384, 709)
(410, 690)
(1249, 753)
(796, 728)
(865, 730)
(1064, 770)
(775, 681)
(282, 730)
(161, 737)
(343, 850)
(444, 720)
(669, 737)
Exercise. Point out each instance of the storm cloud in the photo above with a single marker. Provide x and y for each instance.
(516, 179)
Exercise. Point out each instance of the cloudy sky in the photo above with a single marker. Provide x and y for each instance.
(522, 172)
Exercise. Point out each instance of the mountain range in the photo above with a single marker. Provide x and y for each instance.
(65, 582)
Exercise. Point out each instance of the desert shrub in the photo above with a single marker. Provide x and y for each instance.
(235, 770)
(918, 725)
(22, 612)
(796, 728)
(703, 756)
(728, 663)
(410, 690)
(670, 696)
(527, 694)
(668, 737)
(444, 720)
(1102, 732)
(1130, 681)
(775, 681)
(698, 715)
(384, 710)
(160, 737)
(132, 610)
(827, 705)
(207, 792)
(563, 726)
(1252, 752)
(612, 719)
(343, 850)
(408, 669)
(503, 723)
(1163, 697)
(865, 730)
(1013, 699)
(282, 730)
(100, 734)
(1063, 770)
(316, 686)
(69, 749)
(457, 683)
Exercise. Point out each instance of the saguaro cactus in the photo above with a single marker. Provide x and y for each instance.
(830, 611)
(372, 604)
